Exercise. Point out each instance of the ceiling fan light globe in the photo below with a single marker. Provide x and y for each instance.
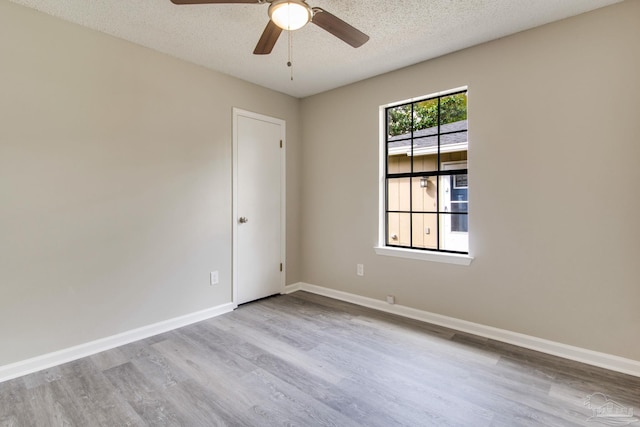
(290, 15)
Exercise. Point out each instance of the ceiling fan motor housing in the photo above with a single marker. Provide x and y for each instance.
(290, 14)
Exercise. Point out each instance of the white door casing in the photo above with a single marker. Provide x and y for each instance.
(258, 206)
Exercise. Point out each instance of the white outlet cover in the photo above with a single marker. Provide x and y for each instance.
(214, 278)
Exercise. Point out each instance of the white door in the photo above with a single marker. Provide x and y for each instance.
(454, 234)
(258, 212)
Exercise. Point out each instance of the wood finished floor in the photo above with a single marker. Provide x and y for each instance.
(306, 360)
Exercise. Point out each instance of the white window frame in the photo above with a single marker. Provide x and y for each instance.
(381, 248)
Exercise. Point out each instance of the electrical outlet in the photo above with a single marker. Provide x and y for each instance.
(214, 278)
(360, 270)
(391, 299)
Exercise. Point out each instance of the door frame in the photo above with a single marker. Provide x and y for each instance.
(237, 112)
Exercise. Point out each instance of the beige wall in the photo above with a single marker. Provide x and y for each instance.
(115, 184)
(556, 238)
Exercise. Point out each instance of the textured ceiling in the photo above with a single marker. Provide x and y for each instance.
(222, 36)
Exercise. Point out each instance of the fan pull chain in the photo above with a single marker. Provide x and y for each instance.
(289, 63)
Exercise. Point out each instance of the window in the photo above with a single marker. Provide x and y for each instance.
(426, 204)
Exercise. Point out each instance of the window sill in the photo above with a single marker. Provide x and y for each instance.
(424, 255)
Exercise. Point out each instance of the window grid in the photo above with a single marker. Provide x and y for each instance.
(412, 174)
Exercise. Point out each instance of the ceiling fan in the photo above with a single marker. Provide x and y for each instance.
(291, 15)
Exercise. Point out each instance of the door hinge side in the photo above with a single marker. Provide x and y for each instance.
(280, 266)
(280, 143)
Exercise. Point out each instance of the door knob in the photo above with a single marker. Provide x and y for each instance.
(243, 220)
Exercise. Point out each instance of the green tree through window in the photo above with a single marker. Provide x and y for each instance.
(425, 114)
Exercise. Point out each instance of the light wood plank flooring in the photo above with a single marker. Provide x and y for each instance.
(306, 360)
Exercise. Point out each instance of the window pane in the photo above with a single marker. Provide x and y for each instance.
(400, 163)
(425, 194)
(454, 232)
(453, 108)
(425, 115)
(459, 193)
(453, 160)
(459, 207)
(399, 229)
(399, 194)
(425, 153)
(454, 193)
(460, 223)
(399, 121)
(424, 231)
(454, 141)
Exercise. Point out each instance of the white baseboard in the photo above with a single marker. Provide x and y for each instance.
(603, 360)
(24, 367)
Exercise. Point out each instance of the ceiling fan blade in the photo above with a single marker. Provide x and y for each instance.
(212, 1)
(268, 39)
(338, 27)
